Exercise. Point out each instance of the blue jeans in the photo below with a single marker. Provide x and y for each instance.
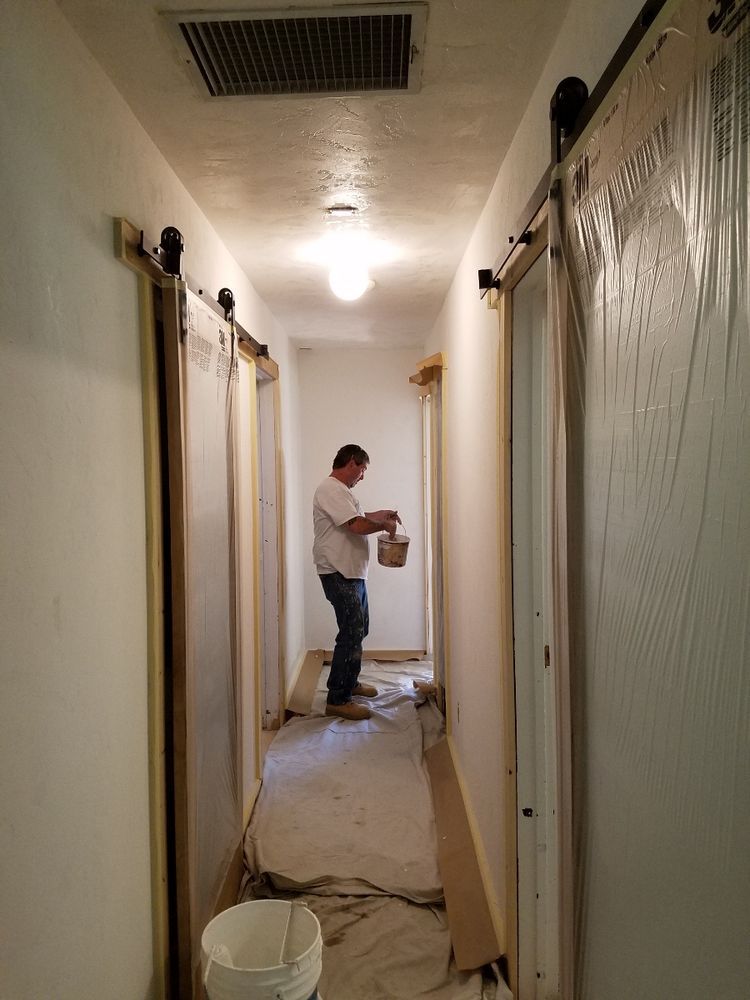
(349, 600)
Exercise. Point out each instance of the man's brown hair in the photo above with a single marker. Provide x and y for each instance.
(348, 452)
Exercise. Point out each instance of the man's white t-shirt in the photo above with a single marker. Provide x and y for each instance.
(335, 548)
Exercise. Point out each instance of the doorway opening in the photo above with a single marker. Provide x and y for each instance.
(527, 603)
(534, 696)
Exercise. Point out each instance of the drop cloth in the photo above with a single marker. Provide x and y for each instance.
(346, 814)
(384, 948)
(345, 807)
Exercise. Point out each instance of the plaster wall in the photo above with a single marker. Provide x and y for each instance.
(74, 837)
(468, 333)
(365, 397)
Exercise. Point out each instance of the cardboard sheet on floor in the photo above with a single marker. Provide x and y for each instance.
(358, 792)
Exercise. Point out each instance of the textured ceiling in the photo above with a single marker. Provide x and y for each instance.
(418, 166)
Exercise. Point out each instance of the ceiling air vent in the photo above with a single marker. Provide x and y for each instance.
(341, 50)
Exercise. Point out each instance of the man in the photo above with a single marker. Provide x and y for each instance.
(341, 552)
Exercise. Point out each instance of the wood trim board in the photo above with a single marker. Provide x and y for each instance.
(173, 295)
(126, 239)
(526, 255)
(563, 561)
(280, 542)
(155, 624)
(268, 370)
(247, 616)
(428, 370)
(439, 519)
(430, 381)
(473, 935)
(508, 693)
(257, 570)
(304, 684)
(266, 365)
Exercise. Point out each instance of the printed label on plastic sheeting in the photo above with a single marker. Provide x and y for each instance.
(211, 338)
(634, 143)
(730, 90)
(199, 351)
(727, 16)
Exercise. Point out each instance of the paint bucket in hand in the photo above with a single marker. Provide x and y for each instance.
(392, 551)
(263, 950)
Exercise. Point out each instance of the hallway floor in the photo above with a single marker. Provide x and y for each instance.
(344, 822)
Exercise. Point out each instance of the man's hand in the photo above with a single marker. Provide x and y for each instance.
(390, 524)
(384, 515)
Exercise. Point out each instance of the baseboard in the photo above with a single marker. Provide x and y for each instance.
(304, 684)
(291, 683)
(385, 655)
(475, 936)
(497, 915)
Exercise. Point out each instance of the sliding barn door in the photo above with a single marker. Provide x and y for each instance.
(201, 375)
(653, 348)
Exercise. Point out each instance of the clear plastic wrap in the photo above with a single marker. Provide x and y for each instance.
(651, 437)
(210, 376)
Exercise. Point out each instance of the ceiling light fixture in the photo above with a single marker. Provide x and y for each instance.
(348, 254)
(349, 280)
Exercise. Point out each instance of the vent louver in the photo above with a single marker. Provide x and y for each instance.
(344, 50)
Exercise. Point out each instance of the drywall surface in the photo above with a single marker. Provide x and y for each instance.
(468, 333)
(74, 835)
(364, 397)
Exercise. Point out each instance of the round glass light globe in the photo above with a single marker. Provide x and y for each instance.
(349, 280)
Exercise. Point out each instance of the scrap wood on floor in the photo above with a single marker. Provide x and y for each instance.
(345, 822)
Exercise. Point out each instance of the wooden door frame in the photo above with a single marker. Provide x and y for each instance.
(501, 299)
(430, 381)
(247, 357)
(156, 624)
(266, 377)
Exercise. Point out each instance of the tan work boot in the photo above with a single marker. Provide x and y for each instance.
(365, 691)
(349, 711)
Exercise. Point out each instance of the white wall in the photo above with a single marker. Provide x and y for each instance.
(468, 333)
(74, 835)
(364, 397)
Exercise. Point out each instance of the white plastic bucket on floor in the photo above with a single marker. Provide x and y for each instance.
(267, 949)
(392, 551)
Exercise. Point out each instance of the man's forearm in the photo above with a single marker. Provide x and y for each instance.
(365, 525)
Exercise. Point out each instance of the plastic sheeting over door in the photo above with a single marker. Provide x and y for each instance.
(654, 234)
(201, 379)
